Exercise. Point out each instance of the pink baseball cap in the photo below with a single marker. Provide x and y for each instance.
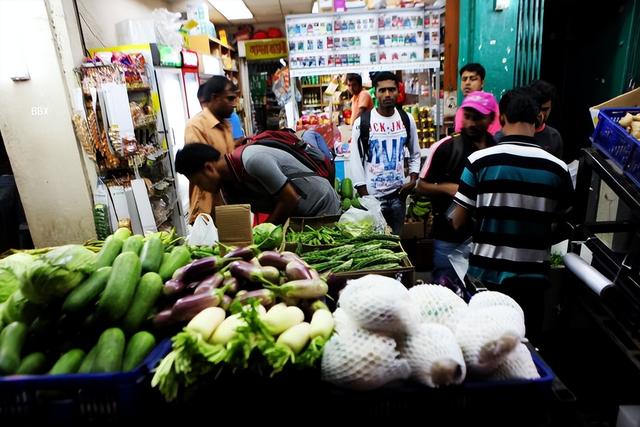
(484, 102)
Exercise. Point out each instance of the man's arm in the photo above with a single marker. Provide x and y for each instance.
(357, 169)
(433, 189)
(286, 203)
(433, 166)
(460, 217)
(414, 159)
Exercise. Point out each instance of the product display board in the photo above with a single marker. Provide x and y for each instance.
(372, 40)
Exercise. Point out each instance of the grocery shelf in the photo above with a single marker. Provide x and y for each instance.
(364, 68)
(310, 86)
(219, 42)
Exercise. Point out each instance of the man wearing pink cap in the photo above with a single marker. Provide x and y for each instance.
(471, 80)
(440, 175)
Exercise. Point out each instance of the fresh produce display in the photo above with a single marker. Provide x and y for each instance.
(419, 207)
(348, 195)
(225, 300)
(379, 254)
(334, 234)
(267, 236)
(85, 308)
(426, 333)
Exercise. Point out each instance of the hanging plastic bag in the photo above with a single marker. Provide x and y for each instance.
(357, 221)
(203, 232)
(374, 206)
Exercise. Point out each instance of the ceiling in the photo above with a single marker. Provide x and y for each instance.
(266, 11)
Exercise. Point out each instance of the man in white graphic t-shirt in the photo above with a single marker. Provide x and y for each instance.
(378, 144)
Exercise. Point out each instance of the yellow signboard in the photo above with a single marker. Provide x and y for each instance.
(266, 49)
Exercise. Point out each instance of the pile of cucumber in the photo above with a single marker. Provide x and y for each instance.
(100, 325)
(347, 194)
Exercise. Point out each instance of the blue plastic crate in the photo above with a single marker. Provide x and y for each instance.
(79, 398)
(632, 171)
(612, 139)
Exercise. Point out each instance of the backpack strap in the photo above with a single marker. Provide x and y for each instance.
(363, 140)
(407, 124)
(234, 160)
(457, 151)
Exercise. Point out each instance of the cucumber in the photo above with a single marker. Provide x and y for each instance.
(32, 364)
(138, 348)
(11, 342)
(87, 363)
(147, 293)
(121, 287)
(110, 351)
(133, 244)
(68, 362)
(151, 254)
(122, 233)
(88, 291)
(110, 250)
(179, 257)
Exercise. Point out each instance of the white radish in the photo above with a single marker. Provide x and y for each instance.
(296, 337)
(227, 329)
(279, 319)
(206, 322)
(322, 324)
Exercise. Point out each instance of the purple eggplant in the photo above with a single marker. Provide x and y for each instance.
(214, 280)
(246, 253)
(179, 273)
(303, 289)
(200, 268)
(290, 256)
(186, 308)
(226, 302)
(264, 296)
(296, 270)
(272, 274)
(163, 319)
(203, 288)
(173, 287)
(247, 271)
(191, 286)
(273, 259)
(230, 285)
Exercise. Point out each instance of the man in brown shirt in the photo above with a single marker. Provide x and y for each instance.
(218, 99)
(361, 100)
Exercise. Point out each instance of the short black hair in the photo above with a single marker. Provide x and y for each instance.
(214, 86)
(542, 91)
(519, 106)
(192, 157)
(474, 67)
(354, 77)
(200, 93)
(382, 76)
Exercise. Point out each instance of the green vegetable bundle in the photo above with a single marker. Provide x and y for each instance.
(367, 255)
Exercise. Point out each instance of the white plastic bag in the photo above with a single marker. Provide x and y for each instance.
(204, 231)
(459, 259)
(374, 206)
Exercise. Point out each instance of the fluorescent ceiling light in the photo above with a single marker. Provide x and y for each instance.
(315, 7)
(232, 9)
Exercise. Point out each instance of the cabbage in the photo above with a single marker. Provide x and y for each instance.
(57, 272)
(267, 236)
(18, 309)
(12, 269)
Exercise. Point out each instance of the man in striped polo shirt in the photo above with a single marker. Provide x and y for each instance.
(515, 191)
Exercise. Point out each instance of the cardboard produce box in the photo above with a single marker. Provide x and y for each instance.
(629, 99)
(234, 224)
(299, 224)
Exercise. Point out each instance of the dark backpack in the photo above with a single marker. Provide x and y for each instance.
(288, 141)
(457, 151)
(365, 123)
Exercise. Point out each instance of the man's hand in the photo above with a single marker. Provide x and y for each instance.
(409, 186)
(286, 203)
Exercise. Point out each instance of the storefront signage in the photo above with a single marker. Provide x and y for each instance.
(266, 49)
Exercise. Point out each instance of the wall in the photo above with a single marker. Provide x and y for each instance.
(489, 37)
(99, 17)
(36, 124)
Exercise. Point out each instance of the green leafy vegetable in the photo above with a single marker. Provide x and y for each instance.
(12, 270)
(267, 236)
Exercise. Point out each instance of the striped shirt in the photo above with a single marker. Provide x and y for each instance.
(515, 191)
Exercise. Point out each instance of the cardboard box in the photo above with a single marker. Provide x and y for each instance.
(629, 99)
(234, 224)
(299, 224)
(415, 230)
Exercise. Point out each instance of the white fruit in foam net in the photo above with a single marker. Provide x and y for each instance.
(492, 299)
(362, 360)
(380, 304)
(438, 304)
(434, 355)
(487, 335)
(518, 365)
(344, 324)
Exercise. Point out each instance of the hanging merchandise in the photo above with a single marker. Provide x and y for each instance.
(280, 85)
